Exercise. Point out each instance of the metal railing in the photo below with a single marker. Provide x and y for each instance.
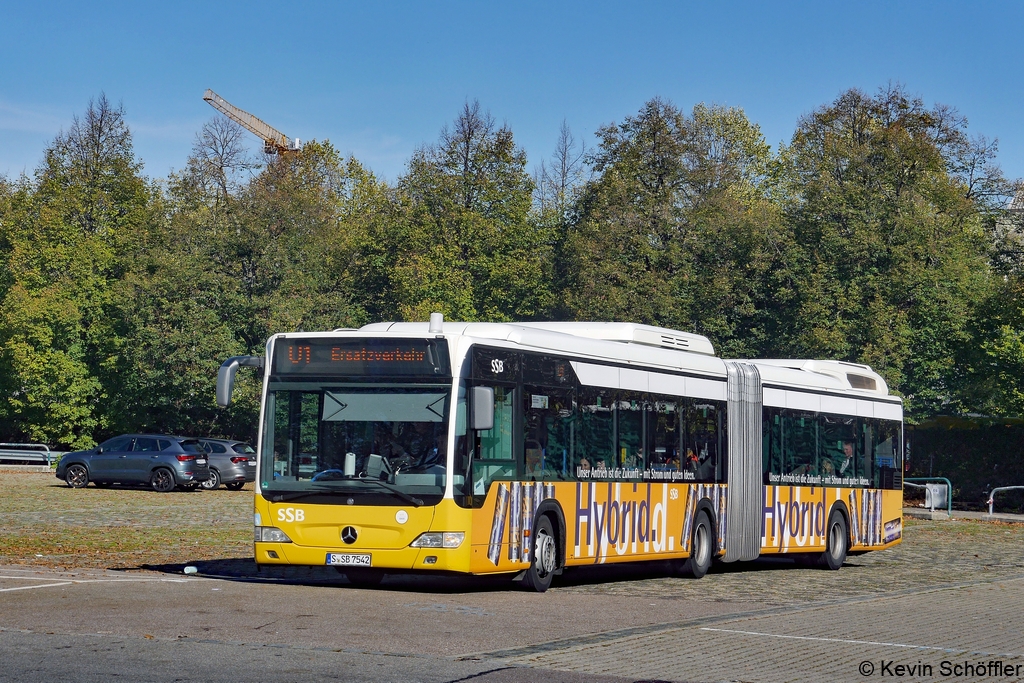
(25, 451)
(992, 494)
(949, 489)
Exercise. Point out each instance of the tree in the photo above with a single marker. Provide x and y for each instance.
(468, 248)
(219, 159)
(678, 227)
(71, 232)
(891, 218)
(226, 271)
(558, 183)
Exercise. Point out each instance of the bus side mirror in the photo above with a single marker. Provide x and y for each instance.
(226, 376)
(481, 408)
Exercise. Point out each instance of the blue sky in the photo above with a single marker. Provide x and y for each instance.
(380, 78)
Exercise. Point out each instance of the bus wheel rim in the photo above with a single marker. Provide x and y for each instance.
(545, 553)
(835, 539)
(700, 543)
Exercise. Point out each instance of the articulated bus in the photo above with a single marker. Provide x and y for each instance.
(527, 448)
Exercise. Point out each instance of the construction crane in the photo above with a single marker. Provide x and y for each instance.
(274, 141)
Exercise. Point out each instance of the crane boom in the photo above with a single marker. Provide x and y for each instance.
(274, 141)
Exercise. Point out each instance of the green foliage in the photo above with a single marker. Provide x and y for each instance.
(895, 246)
(464, 244)
(679, 229)
(877, 235)
(69, 234)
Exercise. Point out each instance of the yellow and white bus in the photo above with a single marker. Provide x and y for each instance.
(525, 448)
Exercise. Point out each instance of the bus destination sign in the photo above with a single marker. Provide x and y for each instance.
(361, 357)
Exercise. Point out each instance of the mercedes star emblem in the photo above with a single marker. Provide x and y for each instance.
(349, 535)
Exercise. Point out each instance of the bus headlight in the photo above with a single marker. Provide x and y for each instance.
(439, 539)
(271, 534)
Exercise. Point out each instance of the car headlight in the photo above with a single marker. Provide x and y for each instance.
(439, 539)
(271, 534)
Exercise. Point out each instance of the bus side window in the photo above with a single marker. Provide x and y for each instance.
(700, 452)
(771, 450)
(548, 416)
(665, 437)
(887, 459)
(595, 440)
(800, 443)
(630, 451)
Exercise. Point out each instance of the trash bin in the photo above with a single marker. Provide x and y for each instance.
(936, 496)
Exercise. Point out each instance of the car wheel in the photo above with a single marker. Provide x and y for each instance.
(545, 557)
(361, 576)
(162, 480)
(701, 547)
(837, 542)
(213, 482)
(76, 476)
(235, 486)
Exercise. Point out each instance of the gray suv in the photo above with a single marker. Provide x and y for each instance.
(160, 461)
(232, 463)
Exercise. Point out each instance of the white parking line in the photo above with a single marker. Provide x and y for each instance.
(858, 642)
(56, 582)
(28, 588)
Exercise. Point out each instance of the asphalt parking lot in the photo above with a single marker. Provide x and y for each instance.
(91, 586)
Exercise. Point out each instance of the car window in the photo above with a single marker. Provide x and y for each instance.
(218, 448)
(144, 445)
(244, 448)
(165, 444)
(191, 446)
(120, 443)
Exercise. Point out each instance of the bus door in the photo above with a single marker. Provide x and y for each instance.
(496, 453)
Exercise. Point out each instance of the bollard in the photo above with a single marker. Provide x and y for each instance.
(992, 495)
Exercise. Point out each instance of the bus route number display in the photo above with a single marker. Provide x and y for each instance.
(350, 357)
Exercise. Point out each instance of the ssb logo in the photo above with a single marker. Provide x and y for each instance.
(497, 366)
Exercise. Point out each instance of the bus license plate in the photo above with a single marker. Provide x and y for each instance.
(348, 559)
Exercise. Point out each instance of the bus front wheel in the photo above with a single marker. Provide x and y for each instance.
(545, 557)
(837, 542)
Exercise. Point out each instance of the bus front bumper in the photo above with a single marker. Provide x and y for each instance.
(398, 559)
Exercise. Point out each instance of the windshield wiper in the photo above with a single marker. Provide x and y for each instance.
(334, 490)
(318, 490)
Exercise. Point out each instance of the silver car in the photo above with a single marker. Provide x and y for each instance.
(232, 463)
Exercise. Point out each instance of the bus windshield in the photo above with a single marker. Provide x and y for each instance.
(377, 443)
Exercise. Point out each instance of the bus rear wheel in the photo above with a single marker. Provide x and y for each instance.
(837, 542)
(701, 548)
(545, 557)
